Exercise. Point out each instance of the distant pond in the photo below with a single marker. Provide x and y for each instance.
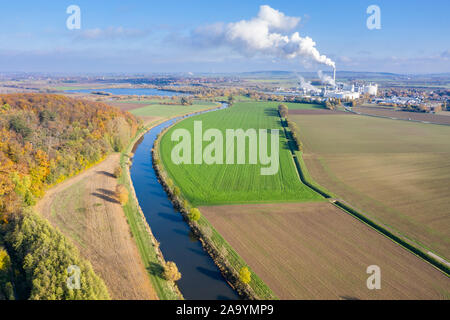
(130, 91)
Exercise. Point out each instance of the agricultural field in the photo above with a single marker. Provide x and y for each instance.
(404, 115)
(443, 113)
(168, 111)
(84, 209)
(316, 251)
(151, 110)
(237, 183)
(304, 106)
(395, 172)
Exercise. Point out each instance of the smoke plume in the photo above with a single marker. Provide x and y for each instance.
(263, 34)
(325, 79)
(307, 84)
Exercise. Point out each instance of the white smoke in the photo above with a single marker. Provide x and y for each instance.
(325, 79)
(263, 34)
(307, 85)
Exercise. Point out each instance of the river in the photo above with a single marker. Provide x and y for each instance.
(201, 279)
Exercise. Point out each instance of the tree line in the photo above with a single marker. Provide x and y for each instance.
(41, 258)
(283, 111)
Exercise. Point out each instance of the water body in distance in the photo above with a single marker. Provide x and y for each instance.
(129, 91)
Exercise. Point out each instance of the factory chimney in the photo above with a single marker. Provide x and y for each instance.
(334, 75)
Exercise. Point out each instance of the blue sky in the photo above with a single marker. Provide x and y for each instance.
(159, 36)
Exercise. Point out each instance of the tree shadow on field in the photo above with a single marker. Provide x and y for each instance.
(271, 112)
(285, 144)
(106, 192)
(106, 195)
(106, 174)
(156, 269)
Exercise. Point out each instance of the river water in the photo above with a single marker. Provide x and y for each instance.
(201, 279)
(130, 91)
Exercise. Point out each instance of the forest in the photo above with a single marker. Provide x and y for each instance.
(45, 139)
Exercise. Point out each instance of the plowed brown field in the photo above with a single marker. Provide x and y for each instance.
(395, 172)
(316, 251)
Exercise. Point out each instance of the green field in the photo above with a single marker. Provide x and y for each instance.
(168, 111)
(204, 184)
(395, 172)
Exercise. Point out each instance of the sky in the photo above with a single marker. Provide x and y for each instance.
(207, 36)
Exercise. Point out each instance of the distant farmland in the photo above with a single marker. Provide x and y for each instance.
(396, 172)
(167, 111)
(404, 115)
(316, 251)
(237, 183)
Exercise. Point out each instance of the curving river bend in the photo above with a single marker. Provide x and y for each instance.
(201, 279)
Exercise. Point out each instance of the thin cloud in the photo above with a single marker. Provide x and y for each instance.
(111, 33)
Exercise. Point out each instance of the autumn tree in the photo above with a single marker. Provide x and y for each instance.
(283, 110)
(118, 172)
(194, 214)
(185, 101)
(121, 194)
(186, 205)
(245, 276)
(171, 272)
(176, 191)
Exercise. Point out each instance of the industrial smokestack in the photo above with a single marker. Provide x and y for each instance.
(325, 79)
(334, 75)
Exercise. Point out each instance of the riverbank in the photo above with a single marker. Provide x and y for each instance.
(148, 246)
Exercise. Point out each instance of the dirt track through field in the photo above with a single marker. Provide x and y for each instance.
(85, 210)
(316, 251)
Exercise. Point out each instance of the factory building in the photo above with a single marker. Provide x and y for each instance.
(371, 89)
(338, 94)
(336, 90)
(349, 91)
